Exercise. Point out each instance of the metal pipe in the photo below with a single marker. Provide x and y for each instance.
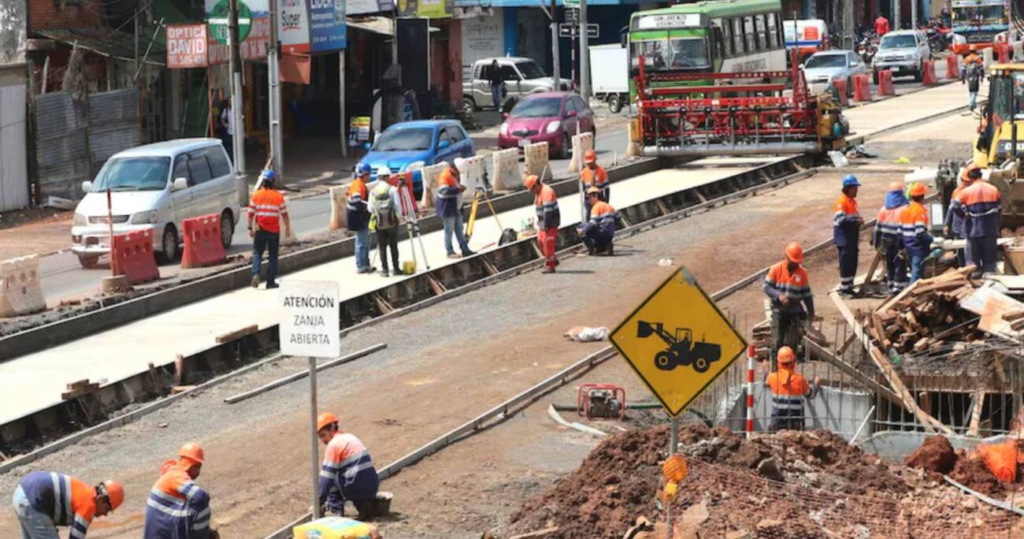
(314, 448)
(862, 425)
(750, 391)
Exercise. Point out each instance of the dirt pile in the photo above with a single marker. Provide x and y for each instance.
(971, 472)
(935, 455)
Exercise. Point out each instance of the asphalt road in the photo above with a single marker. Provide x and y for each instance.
(63, 277)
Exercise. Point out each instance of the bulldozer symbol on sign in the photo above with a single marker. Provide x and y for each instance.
(682, 350)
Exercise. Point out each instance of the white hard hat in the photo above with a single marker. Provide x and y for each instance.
(383, 171)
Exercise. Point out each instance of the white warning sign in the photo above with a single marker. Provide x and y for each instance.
(310, 319)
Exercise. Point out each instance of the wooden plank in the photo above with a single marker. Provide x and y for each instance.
(870, 277)
(976, 405)
(819, 352)
(929, 423)
(77, 385)
(880, 334)
(238, 334)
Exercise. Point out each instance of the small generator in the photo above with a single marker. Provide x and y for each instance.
(604, 401)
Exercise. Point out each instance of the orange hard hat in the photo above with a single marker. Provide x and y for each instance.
(896, 186)
(325, 419)
(917, 190)
(590, 156)
(795, 253)
(786, 356)
(531, 181)
(114, 492)
(192, 451)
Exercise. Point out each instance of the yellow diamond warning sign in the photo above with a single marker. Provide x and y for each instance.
(678, 341)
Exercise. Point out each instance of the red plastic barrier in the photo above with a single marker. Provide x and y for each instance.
(952, 67)
(929, 73)
(840, 86)
(885, 86)
(1003, 53)
(131, 255)
(861, 88)
(203, 245)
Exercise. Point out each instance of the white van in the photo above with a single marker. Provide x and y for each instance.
(155, 187)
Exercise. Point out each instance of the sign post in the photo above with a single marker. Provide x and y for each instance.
(678, 343)
(310, 320)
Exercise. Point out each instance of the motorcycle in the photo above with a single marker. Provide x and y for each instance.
(866, 49)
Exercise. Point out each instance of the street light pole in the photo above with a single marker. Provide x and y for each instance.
(584, 54)
(274, 97)
(238, 137)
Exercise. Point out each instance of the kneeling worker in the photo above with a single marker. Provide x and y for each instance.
(599, 231)
(347, 472)
(45, 500)
(177, 507)
(789, 390)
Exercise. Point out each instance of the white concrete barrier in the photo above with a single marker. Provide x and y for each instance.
(580, 144)
(1018, 51)
(20, 291)
(632, 147)
(290, 237)
(507, 175)
(430, 175)
(473, 171)
(338, 214)
(987, 57)
(537, 161)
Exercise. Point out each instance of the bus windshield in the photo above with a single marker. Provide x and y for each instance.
(671, 53)
(978, 15)
(1007, 93)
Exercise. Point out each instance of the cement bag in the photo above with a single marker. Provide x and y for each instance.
(587, 334)
(1001, 459)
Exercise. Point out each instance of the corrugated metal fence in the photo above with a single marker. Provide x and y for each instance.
(73, 140)
(14, 184)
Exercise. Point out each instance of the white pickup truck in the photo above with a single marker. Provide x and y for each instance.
(522, 76)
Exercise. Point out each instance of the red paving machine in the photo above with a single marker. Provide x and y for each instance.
(743, 113)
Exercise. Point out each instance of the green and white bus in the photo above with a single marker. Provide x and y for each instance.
(723, 36)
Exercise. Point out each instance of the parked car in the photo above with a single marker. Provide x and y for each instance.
(155, 187)
(821, 68)
(424, 141)
(522, 77)
(904, 52)
(552, 117)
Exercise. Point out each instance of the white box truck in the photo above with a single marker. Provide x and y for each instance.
(610, 81)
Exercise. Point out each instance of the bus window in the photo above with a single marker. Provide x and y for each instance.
(779, 40)
(718, 42)
(762, 33)
(737, 36)
(653, 52)
(748, 30)
(690, 52)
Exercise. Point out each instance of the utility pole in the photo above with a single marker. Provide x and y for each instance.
(556, 68)
(848, 34)
(235, 63)
(913, 14)
(274, 97)
(584, 54)
(896, 8)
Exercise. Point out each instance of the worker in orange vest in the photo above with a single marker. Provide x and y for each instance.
(599, 231)
(347, 472)
(787, 286)
(789, 390)
(888, 237)
(916, 239)
(594, 175)
(449, 209)
(881, 26)
(45, 500)
(266, 209)
(846, 232)
(980, 205)
(177, 507)
(545, 201)
(953, 227)
(357, 217)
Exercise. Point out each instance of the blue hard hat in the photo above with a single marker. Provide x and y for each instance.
(362, 168)
(268, 175)
(850, 181)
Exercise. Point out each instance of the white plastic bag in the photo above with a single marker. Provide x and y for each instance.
(587, 334)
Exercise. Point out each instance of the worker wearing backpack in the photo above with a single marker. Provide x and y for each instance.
(386, 214)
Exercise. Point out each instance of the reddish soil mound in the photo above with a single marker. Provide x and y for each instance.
(972, 473)
(936, 454)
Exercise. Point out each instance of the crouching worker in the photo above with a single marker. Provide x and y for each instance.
(789, 391)
(177, 506)
(599, 231)
(347, 472)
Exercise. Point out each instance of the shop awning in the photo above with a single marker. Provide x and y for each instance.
(110, 43)
(377, 25)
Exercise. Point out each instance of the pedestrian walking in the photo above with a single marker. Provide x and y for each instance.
(386, 216)
(980, 206)
(177, 507)
(45, 500)
(266, 211)
(888, 237)
(347, 473)
(496, 84)
(357, 217)
(916, 239)
(789, 290)
(449, 209)
(846, 232)
(972, 73)
(227, 128)
(789, 391)
(549, 218)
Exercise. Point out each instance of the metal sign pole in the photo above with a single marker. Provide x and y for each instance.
(584, 54)
(314, 446)
(673, 448)
(274, 81)
(238, 137)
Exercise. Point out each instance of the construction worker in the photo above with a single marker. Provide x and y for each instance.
(792, 302)
(45, 500)
(789, 389)
(449, 191)
(177, 507)
(954, 225)
(347, 472)
(386, 215)
(357, 217)
(594, 175)
(980, 206)
(599, 231)
(266, 209)
(846, 232)
(971, 74)
(916, 239)
(881, 26)
(888, 237)
(545, 201)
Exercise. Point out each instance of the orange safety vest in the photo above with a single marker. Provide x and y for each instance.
(596, 177)
(546, 204)
(267, 206)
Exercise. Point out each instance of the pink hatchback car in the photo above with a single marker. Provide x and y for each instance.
(551, 117)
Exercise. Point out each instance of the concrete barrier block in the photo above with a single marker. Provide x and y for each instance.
(537, 161)
(1017, 51)
(474, 172)
(290, 237)
(580, 144)
(507, 175)
(632, 143)
(20, 290)
(338, 215)
(430, 175)
(987, 57)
